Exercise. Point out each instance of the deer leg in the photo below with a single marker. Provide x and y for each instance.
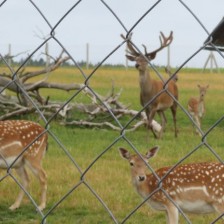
(172, 214)
(43, 181)
(198, 123)
(21, 171)
(163, 119)
(150, 117)
(219, 208)
(39, 172)
(194, 126)
(163, 123)
(174, 112)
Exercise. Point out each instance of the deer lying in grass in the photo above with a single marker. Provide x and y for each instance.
(196, 107)
(149, 87)
(24, 143)
(194, 188)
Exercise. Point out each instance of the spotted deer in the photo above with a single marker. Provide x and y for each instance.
(24, 143)
(194, 188)
(196, 107)
(149, 87)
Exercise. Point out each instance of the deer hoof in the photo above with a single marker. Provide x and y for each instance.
(13, 207)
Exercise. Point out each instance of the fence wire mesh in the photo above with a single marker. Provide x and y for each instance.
(82, 175)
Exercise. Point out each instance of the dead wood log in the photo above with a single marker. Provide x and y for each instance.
(100, 113)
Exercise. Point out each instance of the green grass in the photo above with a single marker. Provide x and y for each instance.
(109, 176)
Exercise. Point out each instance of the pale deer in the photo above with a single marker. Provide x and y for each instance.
(24, 143)
(196, 107)
(189, 188)
(149, 87)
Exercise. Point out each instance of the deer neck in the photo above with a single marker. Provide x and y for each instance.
(145, 81)
(143, 187)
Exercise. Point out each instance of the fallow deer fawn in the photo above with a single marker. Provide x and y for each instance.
(149, 87)
(194, 188)
(24, 143)
(196, 107)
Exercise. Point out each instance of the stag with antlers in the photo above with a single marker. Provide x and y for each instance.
(155, 95)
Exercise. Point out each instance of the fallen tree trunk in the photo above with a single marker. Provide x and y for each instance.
(102, 112)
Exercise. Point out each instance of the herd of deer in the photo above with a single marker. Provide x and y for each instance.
(156, 96)
(194, 188)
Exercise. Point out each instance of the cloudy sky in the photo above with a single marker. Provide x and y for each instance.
(90, 21)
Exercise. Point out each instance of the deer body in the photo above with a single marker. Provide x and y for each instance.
(23, 143)
(195, 188)
(149, 87)
(196, 107)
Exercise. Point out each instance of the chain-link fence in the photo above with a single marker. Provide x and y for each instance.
(81, 176)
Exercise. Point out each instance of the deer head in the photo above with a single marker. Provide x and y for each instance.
(137, 163)
(140, 59)
(202, 91)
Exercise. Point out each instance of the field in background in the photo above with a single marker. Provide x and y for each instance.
(110, 176)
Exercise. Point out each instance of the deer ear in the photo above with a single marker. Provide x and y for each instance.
(207, 86)
(124, 153)
(131, 58)
(152, 152)
(151, 56)
(199, 86)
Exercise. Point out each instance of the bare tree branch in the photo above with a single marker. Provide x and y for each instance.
(94, 113)
(57, 63)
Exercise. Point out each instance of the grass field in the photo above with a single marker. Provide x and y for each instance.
(109, 176)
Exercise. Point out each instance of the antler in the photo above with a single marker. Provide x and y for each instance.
(164, 42)
(131, 49)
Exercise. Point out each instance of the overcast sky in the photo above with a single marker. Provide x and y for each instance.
(91, 22)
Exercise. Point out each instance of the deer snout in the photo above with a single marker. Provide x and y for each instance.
(136, 65)
(141, 178)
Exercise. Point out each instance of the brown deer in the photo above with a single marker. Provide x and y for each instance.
(149, 87)
(168, 71)
(193, 188)
(196, 107)
(24, 143)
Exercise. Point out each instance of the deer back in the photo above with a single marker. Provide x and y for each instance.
(188, 185)
(17, 135)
